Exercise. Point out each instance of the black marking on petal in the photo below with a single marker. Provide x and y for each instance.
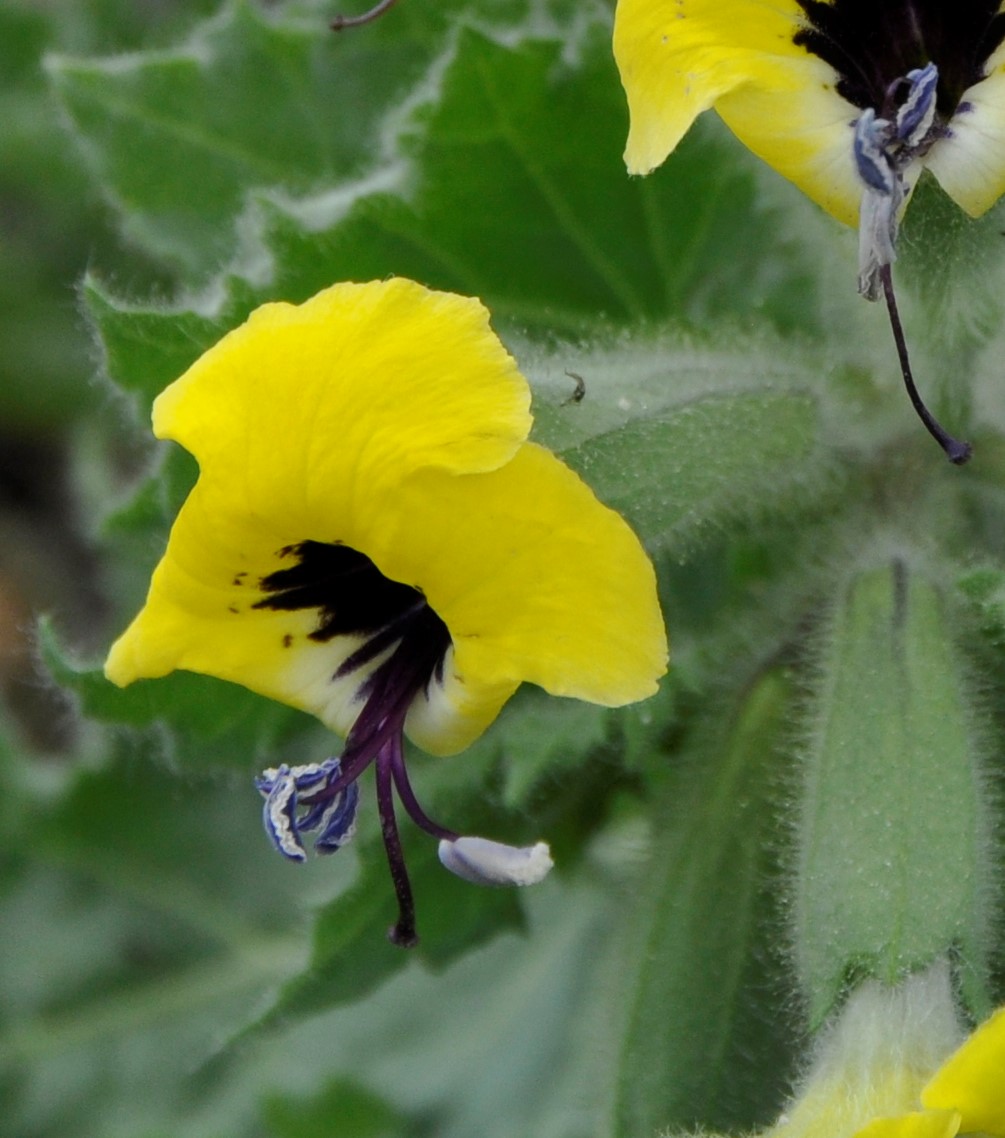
(351, 594)
(872, 44)
(353, 598)
(288, 640)
(384, 638)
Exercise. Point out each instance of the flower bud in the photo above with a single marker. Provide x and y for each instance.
(893, 834)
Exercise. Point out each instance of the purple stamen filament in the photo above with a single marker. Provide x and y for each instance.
(402, 932)
(376, 737)
(407, 795)
(404, 644)
(957, 452)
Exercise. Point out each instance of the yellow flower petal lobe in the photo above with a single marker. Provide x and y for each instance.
(972, 1080)
(450, 715)
(536, 580)
(678, 59)
(200, 615)
(361, 384)
(969, 162)
(803, 129)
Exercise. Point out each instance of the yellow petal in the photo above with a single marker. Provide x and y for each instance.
(362, 384)
(918, 1124)
(970, 161)
(804, 129)
(678, 59)
(536, 580)
(972, 1080)
(200, 613)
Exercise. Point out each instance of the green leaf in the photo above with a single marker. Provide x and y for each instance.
(682, 441)
(535, 140)
(146, 349)
(46, 219)
(147, 920)
(497, 1045)
(702, 1042)
(143, 918)
(539, 739)
(356, 1112)
(197, 721)
(731, 455)
(51, 223)
(943, 254)
(894, 844)
(178, 136)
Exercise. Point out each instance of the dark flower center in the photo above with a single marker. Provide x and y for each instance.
(353, 598)
(872, 44)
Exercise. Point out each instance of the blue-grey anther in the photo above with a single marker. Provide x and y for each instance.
(337, 822)
(286, 818)
(883, 150)
(871, 149)
(279, 813)
(916, 115)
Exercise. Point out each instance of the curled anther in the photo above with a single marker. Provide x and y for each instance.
(884, 148)
(368, 17)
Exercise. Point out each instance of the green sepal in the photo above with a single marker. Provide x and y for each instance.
(703, 1039)
(893, 835)
(983, 588)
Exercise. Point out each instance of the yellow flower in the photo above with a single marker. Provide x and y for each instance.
(791, 78)
(882, 1071)
(849, 99)
(372, 539)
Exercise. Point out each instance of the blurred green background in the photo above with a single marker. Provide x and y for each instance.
(53, 225)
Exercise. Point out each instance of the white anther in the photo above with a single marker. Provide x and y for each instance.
(484, 862)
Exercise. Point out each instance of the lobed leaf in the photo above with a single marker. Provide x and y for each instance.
(252, 99)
